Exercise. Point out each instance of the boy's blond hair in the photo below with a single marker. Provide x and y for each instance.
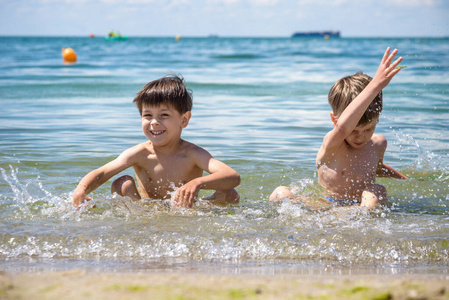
(345, 90)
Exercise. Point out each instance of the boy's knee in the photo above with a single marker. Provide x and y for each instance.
(230, 196)
(379, 190)
(122, 185)
(374, 195)
(223, 197)
(281, 192)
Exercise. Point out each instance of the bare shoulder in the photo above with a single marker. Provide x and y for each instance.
(326, 139)
(329, 151)
(137, 152)
(379, 141)
(194, 151)
(140, 148)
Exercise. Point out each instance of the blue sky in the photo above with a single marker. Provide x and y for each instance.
(370, 18)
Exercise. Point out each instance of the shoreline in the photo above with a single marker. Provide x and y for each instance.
(79, 283)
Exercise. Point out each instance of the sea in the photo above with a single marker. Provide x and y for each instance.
(260, 106)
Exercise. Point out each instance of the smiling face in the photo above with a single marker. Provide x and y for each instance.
(163, 124)
(362, 134)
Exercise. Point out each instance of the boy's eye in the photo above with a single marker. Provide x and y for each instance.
(164, 115)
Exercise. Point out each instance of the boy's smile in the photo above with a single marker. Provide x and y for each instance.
(154, 132)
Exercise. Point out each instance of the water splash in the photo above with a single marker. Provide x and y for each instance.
(30, 200)
(426, 161)
(40, 225)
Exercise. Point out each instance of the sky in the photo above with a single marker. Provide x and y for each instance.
(249, 18)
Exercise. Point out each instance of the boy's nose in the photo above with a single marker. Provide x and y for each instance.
(154, 121)
(358, 136)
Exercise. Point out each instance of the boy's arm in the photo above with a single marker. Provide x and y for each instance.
(96, 178)
(350, 117)
(221, 177)
(385, 170)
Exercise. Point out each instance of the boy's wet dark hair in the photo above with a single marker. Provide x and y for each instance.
(345, 90)
(169, 90)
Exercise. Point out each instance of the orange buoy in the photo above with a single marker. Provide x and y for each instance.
(69, 55)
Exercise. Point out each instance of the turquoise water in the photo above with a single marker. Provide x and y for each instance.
(260, 105)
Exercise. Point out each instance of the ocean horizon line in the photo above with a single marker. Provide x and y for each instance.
(212, 36)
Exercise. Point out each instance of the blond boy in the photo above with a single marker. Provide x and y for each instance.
(351, 154)
(165, 163)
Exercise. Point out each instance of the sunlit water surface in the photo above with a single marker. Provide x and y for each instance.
(260, 105)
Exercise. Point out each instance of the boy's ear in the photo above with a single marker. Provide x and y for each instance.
(186, 118)
(334, 119)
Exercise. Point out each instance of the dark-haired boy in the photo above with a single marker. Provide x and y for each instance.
(165, 163)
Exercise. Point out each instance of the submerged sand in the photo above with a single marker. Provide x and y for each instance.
(80, 284)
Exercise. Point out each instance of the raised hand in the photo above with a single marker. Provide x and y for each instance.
(387, 70)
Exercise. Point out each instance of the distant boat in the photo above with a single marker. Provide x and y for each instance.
(324, 34)
(115, 36)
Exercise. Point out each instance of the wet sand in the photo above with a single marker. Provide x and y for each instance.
(80, 284)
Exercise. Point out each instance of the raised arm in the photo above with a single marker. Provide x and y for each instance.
(221, 177)
(350, 117)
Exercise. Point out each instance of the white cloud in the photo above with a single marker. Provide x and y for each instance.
(225, 1)
(415, 2)
(64, 1)
(136, 1)
(264, 2)
(212, 3)
(99, 1)
(323, 2)
(224, 17)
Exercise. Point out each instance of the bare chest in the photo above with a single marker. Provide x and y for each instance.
(360, 167)
(159, 176)
(350, 171)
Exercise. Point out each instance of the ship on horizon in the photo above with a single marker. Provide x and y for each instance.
(324, 34)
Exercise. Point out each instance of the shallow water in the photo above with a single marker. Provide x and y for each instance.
(260, 106)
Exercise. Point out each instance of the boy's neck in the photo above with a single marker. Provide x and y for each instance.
(169, 149)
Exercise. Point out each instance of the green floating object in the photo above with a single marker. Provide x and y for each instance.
(401, 67)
